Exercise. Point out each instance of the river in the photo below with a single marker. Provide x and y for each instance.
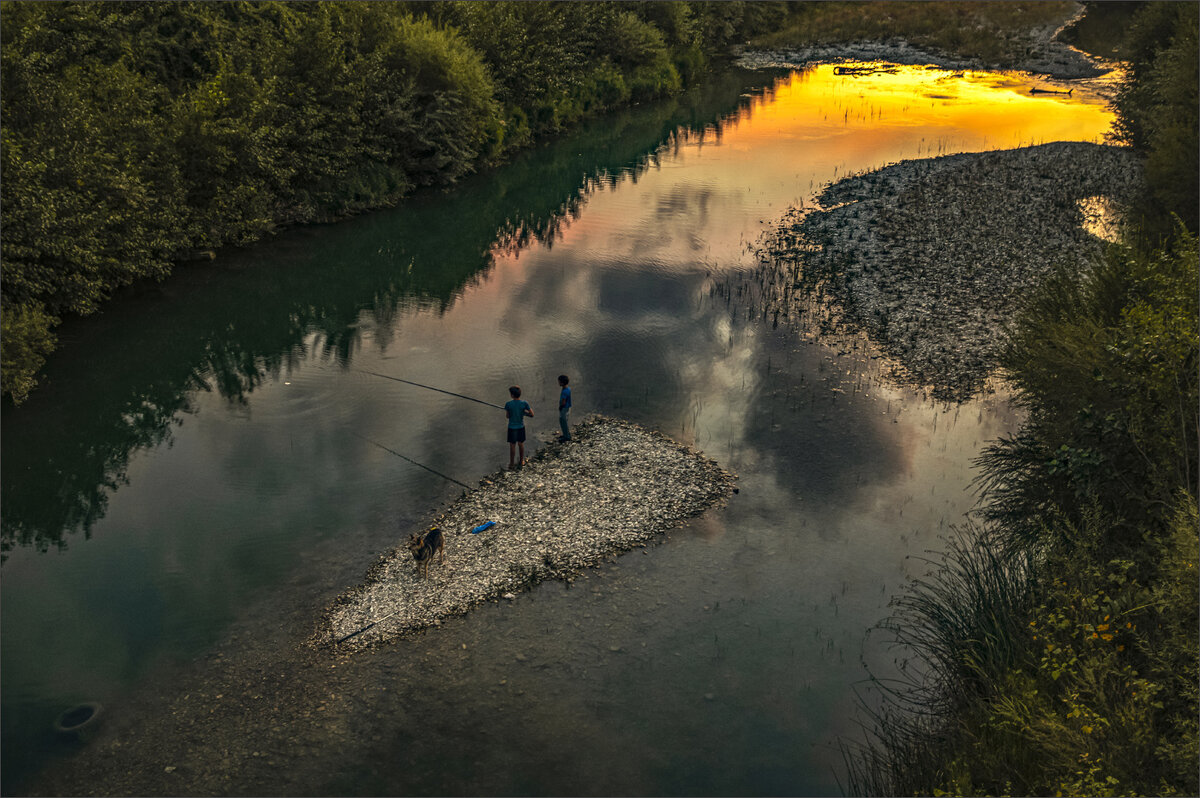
(197, 476)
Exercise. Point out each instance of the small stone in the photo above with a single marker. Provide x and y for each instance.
(169, 769)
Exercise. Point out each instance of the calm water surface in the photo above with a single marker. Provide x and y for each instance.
(196, 478)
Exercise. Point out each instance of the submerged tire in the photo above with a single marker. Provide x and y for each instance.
(79, 722)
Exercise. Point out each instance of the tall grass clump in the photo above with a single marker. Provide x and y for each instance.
(953, 630)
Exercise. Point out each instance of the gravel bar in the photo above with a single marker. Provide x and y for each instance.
(933, 257)
(613, 488)
(1041, 53)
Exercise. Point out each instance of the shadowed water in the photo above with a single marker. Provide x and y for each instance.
(191, 485)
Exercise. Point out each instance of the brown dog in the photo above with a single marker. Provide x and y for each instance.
(423, 547)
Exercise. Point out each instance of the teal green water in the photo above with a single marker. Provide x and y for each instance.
(197, 471)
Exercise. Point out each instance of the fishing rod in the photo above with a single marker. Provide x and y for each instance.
(365, 628)
(430, 387)
(409, 459)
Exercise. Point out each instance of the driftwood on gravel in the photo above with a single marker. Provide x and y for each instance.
(613, 488)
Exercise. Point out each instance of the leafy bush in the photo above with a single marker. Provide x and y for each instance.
(27, 340)
(1107, 367)
(1158, 109)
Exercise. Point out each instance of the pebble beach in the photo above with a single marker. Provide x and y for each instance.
(934, 257)
(614, 487)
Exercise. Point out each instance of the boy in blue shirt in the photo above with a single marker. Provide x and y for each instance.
(564, 408)
(516, 409)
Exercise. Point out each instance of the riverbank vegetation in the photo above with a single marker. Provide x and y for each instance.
(994, 32)
(1053, 648)
(1158, 112)
(140, 134)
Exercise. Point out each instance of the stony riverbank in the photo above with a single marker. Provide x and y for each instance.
(615, 487)
(1042, 54)
(933, 257)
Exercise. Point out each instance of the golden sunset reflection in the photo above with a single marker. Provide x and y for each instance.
(811, 128)
(971, 110)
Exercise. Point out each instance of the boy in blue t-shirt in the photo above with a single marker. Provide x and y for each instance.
(564, 408)
(516, 409)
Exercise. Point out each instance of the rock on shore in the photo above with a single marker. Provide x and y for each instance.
(933, 257)
(613, 488)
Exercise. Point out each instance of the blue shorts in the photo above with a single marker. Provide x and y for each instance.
(516, 435)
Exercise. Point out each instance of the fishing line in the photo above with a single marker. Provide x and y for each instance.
(431, 388)
(409, 459)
